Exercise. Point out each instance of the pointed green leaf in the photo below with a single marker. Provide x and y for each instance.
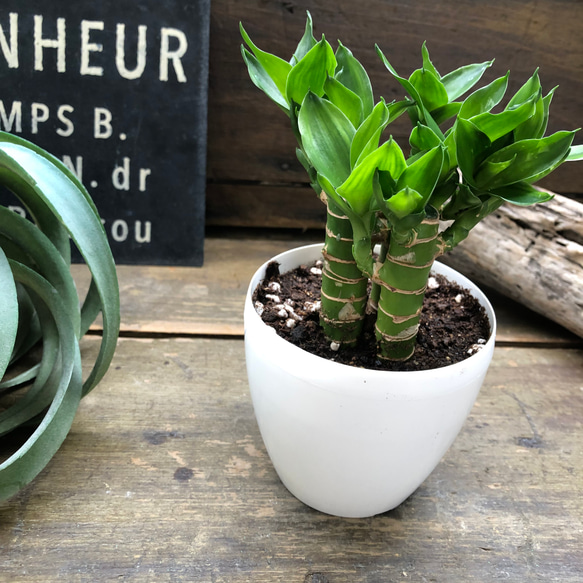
(326, 137)
(484, 99)
(463, 79)
(430, 89)
(368, 134)
(470, 147)
(424, 114)
(357, 189)
(311, 72)
(427, 64)
(530, 159)
(344, 99)
(496, 125)
(262, 80)
(277, 69)
(406, 202)
(531, 88)
(353, 75)
(422, 175)
(521, 194)
(423, 139)
(546, 107)
(306, 43)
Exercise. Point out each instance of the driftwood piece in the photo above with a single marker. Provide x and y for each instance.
(533, 255)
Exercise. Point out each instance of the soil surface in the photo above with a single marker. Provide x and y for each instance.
(453, 324)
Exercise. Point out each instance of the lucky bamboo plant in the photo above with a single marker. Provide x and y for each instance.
(39, 304)
(416, 205)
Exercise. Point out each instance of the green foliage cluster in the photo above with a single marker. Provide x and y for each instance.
(464, 161)
(39, 394)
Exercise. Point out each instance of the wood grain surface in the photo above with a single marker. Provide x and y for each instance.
(209, 300)
(531, 254)
(164, 478)
(251, 149)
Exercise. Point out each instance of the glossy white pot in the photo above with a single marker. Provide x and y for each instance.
(348, 441)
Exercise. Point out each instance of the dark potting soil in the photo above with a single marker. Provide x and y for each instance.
(453, 324)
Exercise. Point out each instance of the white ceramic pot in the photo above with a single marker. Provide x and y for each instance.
(348, 441)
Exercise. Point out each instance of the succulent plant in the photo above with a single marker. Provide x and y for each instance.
(417, 204)
(41, 317)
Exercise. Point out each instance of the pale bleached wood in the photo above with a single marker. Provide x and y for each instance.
(533, 255)
(164, 478)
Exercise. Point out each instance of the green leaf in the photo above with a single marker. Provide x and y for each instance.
(484, 99)
(430, 89)
(424, 114)
(326, 137)
(575, 153)
(25, 464)
(530, 89)
(50, 263)
(427, 64)
(406, 202)
(496, 125)
(368, 134)
(463, 79)
(276, 69)
(311, 72)
(32, 178)
(423, 139)
(262, 80)
(358, 187)
(470, 147)
(530, 159)
(8, 313)
(422, 175)
(344, 99)
(546, 107)
(353, 75)
(521, 194)
(306, 43)
(446, 112)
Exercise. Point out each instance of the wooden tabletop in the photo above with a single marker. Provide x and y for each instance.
(164, 476)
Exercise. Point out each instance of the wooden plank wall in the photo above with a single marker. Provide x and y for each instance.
(254, 179)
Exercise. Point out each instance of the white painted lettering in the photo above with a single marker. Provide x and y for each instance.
(89, 47)
(39, 113)
(14, 121)
(120, 177)
(145, 237)
(68, 128)
(144, 173)
(77, 168)
(120, 52)
(102, 128)
(119, 230)
(167, 55)
(41, 43)
(10, 52)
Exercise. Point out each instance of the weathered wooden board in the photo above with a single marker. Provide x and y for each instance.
(250, 141)
(533, 255)
(164, 478)
(209, 300)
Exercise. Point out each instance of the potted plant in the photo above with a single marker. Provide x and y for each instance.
(356, 442)
(39, 305)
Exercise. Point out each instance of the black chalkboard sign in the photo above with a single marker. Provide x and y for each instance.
(117, 89)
